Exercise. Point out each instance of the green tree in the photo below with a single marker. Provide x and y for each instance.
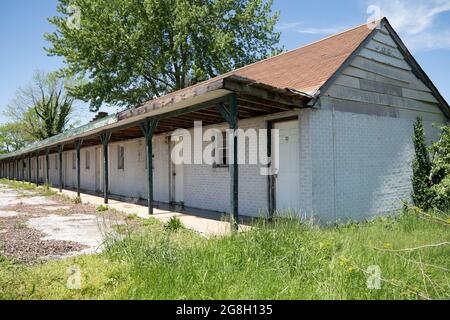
(129, 51)
(13, 136)
(421, 168)
(43, 108)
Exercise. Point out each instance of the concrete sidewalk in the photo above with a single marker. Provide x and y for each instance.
(202, 225)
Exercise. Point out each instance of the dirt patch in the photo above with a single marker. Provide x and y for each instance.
(35, 227)
(26, 246)
(86, 229)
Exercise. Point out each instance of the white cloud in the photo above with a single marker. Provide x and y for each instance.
(301, 28)
(416, 22)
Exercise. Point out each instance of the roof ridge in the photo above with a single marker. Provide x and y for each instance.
(302, 47)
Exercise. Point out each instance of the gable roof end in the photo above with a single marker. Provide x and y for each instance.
(416, 68)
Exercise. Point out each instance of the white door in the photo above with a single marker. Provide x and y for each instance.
(177, 176)
(98, 170)
(287, 183)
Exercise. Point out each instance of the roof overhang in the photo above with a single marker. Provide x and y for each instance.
(251, 94)
(211, 90)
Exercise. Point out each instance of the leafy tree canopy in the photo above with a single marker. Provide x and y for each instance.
(13, 137)
(129, 51)
(43, 108)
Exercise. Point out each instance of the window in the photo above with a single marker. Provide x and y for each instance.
(88, 160)
(221, 153)
(74, 161)
(56, 162)
(141, 151)
(121, 157)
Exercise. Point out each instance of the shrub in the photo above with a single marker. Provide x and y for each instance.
(421, 168)
(440, 171)
(431, 178)
(441, 195)
(441, 157)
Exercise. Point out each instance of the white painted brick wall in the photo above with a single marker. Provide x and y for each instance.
(372, 167)
(305, 173)
(209, 188)
(322, 164)
(132, 181)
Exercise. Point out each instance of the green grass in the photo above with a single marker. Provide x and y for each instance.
(281, 260)
(18, 185)
(44, 190)
(102, 208)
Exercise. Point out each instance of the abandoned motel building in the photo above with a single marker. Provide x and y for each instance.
(344, 108)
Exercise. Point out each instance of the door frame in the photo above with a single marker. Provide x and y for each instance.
(271, 180)
(173, 176)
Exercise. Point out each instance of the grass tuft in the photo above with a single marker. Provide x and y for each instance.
(102, 208)
(174, 224)
(76, 200)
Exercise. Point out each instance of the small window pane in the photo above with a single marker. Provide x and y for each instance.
(74, 161)
(120, 157)
(221, 152)
(88, 160)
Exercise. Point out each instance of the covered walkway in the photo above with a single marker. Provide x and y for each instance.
(226, 99)
(201, 221)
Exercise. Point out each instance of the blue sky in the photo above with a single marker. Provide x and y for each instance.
(423, 24)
